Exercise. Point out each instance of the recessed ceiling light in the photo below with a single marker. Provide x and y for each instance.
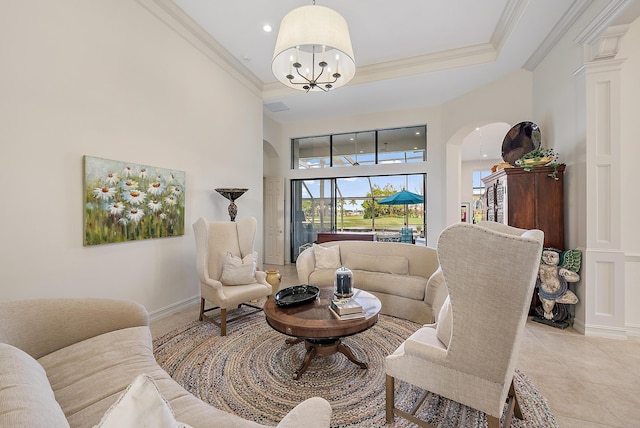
(418, 133)
(267, 28)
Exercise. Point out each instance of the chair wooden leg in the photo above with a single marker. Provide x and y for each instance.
(223, 321)
(201, 310)
(517, 411)
(390, 397)
(493, 422)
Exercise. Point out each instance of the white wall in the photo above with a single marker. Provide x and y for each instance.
(110, 79)
(630, 209)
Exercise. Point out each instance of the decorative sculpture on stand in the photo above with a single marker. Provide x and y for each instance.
(232, 194)
(557, 269)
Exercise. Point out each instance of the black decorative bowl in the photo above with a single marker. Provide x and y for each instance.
(296, 295)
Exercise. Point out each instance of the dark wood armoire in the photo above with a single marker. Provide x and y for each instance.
(528, 200)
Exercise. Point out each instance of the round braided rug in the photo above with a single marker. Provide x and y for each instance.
(249, 373)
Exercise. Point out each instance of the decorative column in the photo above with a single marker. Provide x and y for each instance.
(603, 286)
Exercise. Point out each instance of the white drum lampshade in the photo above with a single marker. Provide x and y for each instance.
(313, 51)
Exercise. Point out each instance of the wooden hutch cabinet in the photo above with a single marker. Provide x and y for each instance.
(528, 200)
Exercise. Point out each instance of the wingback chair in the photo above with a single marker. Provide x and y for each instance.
(214, 240)
(469, 355)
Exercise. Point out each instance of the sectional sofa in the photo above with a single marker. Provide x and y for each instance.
(405, 277)
(89, 362)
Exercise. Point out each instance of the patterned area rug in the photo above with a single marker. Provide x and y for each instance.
(249, 373)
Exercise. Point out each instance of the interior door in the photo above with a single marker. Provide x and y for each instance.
(274, 220)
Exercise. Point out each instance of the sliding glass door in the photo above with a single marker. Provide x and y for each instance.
(350, 204)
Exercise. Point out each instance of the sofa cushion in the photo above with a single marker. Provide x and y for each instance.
(327, 257)
(87, 377)
(26, 397)
(237, 271)
(110, 361)
(141, 405)
(398, 265)
(409, 286)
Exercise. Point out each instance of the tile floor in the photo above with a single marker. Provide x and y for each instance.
(589, 382)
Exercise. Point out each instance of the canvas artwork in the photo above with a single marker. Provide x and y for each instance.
(126, 202)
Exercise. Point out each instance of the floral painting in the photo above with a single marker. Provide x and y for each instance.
(127, 202)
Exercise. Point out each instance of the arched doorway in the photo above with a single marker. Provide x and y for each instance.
(470, 152)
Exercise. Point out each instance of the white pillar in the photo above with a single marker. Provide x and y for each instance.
(603, 280)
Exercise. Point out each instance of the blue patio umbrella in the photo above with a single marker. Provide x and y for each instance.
(403, 197)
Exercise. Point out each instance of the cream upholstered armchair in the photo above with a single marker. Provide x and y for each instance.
(226, 265)
(469, 355)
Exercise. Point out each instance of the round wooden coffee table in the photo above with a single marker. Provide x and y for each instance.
(315, 325)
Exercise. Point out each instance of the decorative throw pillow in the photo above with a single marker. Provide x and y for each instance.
(327, 257)
(237, 271)
(141, 405)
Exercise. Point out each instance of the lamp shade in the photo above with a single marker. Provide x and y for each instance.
(308, 36)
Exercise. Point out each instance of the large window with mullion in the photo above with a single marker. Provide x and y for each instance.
(397, 145)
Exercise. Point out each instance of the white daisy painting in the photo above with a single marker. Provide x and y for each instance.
(124, 201)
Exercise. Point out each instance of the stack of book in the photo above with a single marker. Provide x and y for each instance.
(346, 309)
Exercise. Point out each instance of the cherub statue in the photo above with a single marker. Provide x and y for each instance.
(557, 268)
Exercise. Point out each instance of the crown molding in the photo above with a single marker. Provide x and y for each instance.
(511, 14)
(576, 9)
(404, 67)
(169, 13)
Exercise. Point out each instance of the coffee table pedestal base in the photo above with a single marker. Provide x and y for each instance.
(322, 347)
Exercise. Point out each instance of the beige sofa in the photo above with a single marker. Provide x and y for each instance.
(405, 277)
(65, 362)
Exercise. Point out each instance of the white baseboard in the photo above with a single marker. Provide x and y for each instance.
(633, 330)
(172, 309)
(606, 332)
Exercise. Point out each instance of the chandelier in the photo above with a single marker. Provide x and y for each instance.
(313, 50)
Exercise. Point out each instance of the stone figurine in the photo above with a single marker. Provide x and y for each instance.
(557, 269)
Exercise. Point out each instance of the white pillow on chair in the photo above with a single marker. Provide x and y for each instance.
(237, 271)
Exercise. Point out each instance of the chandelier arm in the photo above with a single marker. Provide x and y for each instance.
(304, 77)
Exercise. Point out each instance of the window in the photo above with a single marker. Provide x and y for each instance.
(398, 145)
(313, 152)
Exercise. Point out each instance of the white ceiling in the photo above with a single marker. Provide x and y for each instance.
(408, 53)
